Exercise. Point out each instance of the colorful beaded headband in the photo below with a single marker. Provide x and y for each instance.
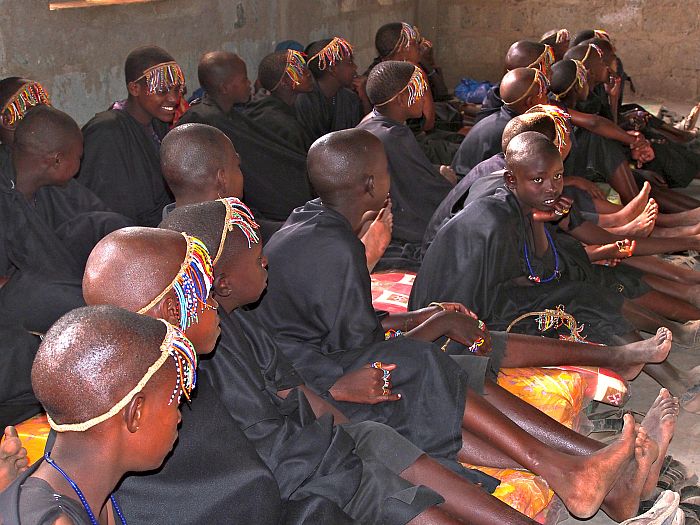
(238, 215)
(336, 50)
(174, 345)
(580, 79)
(560, 118)
(192, 283)
(294, 68)
(588, 52)
(562, 36)
(409, 34)
(416, 87)
(545, 60)
(601, 33)
(162, 77)
(539, 80)
(29, 95)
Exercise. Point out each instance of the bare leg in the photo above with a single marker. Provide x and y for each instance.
(476, 451)
(684, 218)
(640, 226)
(13, 458)
(433, 516)
(623, 182)
(671, 272)
(660, 424)
(615, 215)
(686, 293)
(673, 202)
(462, 499)
(666, 305)
(676, 231)
(642, 318)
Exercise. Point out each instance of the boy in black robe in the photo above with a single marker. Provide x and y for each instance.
(330, 336)
(521, 88)
(275, 173)
(417, 187)
(333, 104)
(121, 161)
(212, 453)
(285, 75)
(111, 382)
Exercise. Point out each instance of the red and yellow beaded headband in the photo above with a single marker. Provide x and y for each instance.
(560, 118)
(336, 50)
(238, 215)
(588, 52)
(580, 79)
(192, 283)
(174, 345)
(417, 86)
(294, 69)
(539, 80)
(601, 33)
(161, 78)
(409, 35)
(545, 60)
(26, 97)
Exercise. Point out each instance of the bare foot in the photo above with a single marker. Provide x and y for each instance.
(622, 501)
(660, 422)
(582, 482)
(686, 335)
(13, 458)
(642, 225)
(378, 236)
(635, 355)
(634, 207)
(690, 400)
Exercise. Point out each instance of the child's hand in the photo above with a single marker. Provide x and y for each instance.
(586, 185)
(611, 254)
(358, 85)
(366, 385)
(449, 174)
(562, 206)
(614, 86)
(464, 329)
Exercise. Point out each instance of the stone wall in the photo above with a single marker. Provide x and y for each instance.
(656, 39)
(79, 53)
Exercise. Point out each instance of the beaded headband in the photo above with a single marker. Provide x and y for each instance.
(238, 215)
(561, 120)
(539, 80)
(581, 77)
(294, 68)
(27, 96)
(545, 60)
(601, 33)
(409, 34)
(562, 36)
(336, 50)
(588, 52)
(416, 87)
(162, 77)
(174, 345)
(192, 283)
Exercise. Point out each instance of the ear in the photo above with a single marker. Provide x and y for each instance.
(369, 185)
(221, 186)
(134, 89)
(168, 309)
(222, 285)
(133, 412)
(509, 178)
(4, 123)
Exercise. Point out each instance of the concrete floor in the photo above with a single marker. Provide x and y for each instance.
(685, 446)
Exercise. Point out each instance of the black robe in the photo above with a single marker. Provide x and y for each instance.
(491, 104)
(482, 142)
(321, 115)
(17, 351)
(275, 180)
(319, 310)
(312, 460)
(281, 119)
(121, 164)
(476, 256)
(417, 188)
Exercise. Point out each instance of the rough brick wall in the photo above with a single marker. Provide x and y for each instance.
(656, 39)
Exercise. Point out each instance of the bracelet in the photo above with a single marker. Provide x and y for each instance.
(444, 346)
(439, 305)
(390, 334)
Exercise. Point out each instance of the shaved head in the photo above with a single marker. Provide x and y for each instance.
(92, 357)
(523, 53)
(523, 148)
(45, 130)
(339, 161)
(218, 67)
(131, 266)
(516, 83)
(536, 121)
(191, 155)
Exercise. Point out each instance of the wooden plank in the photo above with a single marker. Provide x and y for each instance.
(70, 4)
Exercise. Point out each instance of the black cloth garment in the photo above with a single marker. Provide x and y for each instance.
(417, 188)
(17, 350)
(476, 256)
(32, 501)
(44, 245)
(281, 119)
(275, 179)
(309, 457)
(482, 142)
(320, 313)
(121, 164)
(321, 115)
(491, 104)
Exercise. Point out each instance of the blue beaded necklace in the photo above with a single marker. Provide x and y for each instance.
(79, 492)
(536, 278)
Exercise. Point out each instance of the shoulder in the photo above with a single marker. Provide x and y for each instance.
(108, 123)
